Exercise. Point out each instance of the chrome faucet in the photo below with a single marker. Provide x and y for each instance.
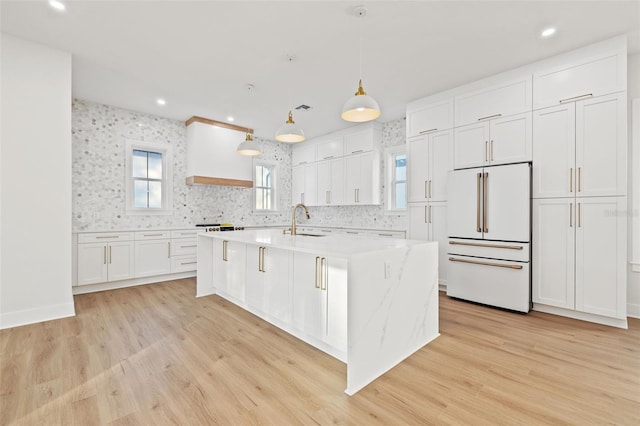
(293, 216)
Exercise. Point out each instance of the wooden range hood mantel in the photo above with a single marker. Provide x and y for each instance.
(194, 155)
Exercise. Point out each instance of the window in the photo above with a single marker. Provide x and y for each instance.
(264, 185)
(396, 166)
(148, 178)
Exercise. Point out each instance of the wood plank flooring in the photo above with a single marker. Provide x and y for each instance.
(155, 355)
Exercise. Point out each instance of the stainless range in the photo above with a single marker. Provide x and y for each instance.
(217, 227)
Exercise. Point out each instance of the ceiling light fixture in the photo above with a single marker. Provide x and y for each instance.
(230, 118)
(548, 32)
(249, 146)
(57, 5)
(161, 102)
(290, 132)
(361, 107)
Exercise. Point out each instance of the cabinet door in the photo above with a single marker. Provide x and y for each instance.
(329, 149)
(601, 256)
(601, 146)
(334, 289)
(510, 139)
(554, 152)
(153, 257)
(336, 194)
(255, 278)
(418, 168)
(553, 241)
(277, 298)
(310, 184)
(464, 215)
(303, 153)
(419, 221)
(471, 145)
(229, 268)
(429, 118)
(438, 232)
(297, 185)
(309, 303)
(353, 173)
(324, 183)
(92, 263)
(358, 142)
(507, 210)
(440, 163)
(122, 259)
(506, 98)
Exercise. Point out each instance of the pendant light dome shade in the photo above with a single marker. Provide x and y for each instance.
(249, 147)
(289, 132)
(361, 107)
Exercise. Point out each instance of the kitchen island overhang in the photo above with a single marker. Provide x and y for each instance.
(376, 299)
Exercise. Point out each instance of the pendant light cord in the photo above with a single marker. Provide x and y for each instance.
(361, 17)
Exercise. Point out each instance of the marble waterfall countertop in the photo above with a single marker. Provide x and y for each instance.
(331, 245)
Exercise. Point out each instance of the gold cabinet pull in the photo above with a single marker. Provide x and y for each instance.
(478, 229)
(323, 273)
(484, 203)
(500, 246)
(315, 281)
(224, 250)
(570, 215)
(109, 255)
(489, 116)
(259, 259)
(430, 193)
(426, 220)
(491, 150)
(575, 98)
(427, 131)
(571, 179)
(579, 215)
(486, 149)
(476, 262)
(579, 179)
(104, 251)
(169, 249)
(430, 216)
(152, 235)
(328, 197)
(426, 192)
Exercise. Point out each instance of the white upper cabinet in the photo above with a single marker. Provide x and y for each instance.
(587, 77)
(429, 160)
(330, 148)
(363, 138)
(501, 140)
(304, 184)
(362, 179)
(507, 98)
(330, 182)
(426, 116)
(303, 153)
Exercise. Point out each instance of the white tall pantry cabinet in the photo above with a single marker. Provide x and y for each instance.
(579, 189)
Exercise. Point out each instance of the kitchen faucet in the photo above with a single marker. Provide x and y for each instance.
(293, 216)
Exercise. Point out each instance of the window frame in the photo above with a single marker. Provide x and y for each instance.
(390, 181)
(274, 188)
(166, 181)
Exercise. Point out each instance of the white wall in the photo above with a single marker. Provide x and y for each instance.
(633, 278)
(35, 222)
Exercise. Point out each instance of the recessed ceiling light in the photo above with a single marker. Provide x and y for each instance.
(57, 5)
(230, 118)
(548, 32)
(161, 102)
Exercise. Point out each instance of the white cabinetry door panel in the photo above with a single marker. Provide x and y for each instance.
(440, 163)
(465, 212)
(507, 195)
(121, 260)
(297, 185)
(229, 268)
(335, 284)
(601, 256)
(418, 168)
(324, 183)
(309, 303)
(268, 282)
(331, 148)
(330, 182)
(362, 179)
(601, 146)
(153, 257)
(553, 244)
(429, 118)
(92, 263)
(304, 183)
(438, 232)
(471, 145)
(419, 221)
(554, 152)
(303, 153)
(511, 139)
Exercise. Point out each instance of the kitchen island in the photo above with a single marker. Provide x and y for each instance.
(370, 302)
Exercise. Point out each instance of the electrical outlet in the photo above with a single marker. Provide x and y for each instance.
(387, 270)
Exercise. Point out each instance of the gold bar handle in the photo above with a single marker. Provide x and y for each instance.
(486, 149)
(315, 284)
(109, 255)
(571, 179)
(579, 179)
(478, 229)
(107, 236)
(169, 249)
(570, 215)
(489, 116)
(426, 220)
(152, 235)
(104, 252)
(491, 150)
(259, 259)
(484, 203)
(427, 131)
(475, 262)
(224, 250)
(328, 197)
(575, 98)
(323, 273)
(430, 215)
(430, 193)
(500, 246)
(579, 215)
(426, 192)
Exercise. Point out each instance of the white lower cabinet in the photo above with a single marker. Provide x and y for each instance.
(153, 257)
(428, 222)
(229, 268)
(103, 262)
(579, 254)
(268, 282)
(320, 298)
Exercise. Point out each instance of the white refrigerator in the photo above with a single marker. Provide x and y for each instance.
(489, 229)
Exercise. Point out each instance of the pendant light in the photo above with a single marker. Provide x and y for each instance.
(361, 107)
(249, 147)
(290, 132)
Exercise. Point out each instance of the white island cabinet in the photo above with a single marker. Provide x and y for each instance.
(370, 302)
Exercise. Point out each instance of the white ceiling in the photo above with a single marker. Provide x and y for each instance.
(200, 55)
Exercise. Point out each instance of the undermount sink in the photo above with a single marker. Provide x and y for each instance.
(309, 235)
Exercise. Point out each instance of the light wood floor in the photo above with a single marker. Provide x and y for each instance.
(155, 354)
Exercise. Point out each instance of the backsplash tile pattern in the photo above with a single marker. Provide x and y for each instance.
(99, 135)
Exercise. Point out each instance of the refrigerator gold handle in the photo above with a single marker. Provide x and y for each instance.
(484, 202)
(475, 262)
(478, 229)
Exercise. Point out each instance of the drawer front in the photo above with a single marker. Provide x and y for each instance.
(493, 282)
(489, 249)
(152, 235)
(184, 246)
(186, 233)
(387, 234)
(183, 264)
(103, 237)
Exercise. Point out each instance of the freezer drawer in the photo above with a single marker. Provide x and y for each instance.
(489, 249)
(500, 283)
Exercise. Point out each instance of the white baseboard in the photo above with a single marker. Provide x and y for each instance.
(92, 288)
(633, 310)
(583, 316)
(32, 316)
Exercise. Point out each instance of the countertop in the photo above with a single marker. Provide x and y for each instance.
(329, 245)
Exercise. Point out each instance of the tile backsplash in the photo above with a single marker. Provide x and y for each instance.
(99, 134)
